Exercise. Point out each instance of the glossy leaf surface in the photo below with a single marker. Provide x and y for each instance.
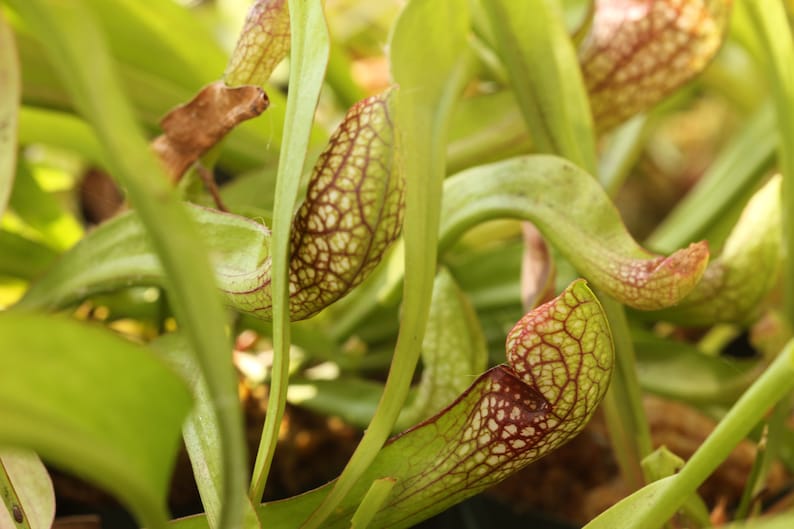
(83, 407)
(639, 51)
(559, 365)
(574, 214)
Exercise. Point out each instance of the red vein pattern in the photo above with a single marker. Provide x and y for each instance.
(560, 359)
(658, 282)
(264, 42)
(639, 51)
(352, 213)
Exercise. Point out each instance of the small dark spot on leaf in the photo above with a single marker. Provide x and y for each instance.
(18, 517)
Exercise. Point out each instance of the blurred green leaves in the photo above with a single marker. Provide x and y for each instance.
(85, 407)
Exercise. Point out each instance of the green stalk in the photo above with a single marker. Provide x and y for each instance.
(372, 502)
(657, 502)
(551, 93)
(770, 21)
(745, 414)
(423, 107)
(70, 37)
(733, 175)
(622, 152)
(308, 59)
(755, 478)
(626, 422)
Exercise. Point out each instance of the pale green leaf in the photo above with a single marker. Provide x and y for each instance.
(201, 433)
(574, 214)
(308, 59)
(428, 89)
(26, 491)
(78, 50)
(93, 404)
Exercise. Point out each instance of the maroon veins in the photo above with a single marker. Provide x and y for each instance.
(560, 359)
(352, 213)
(639, 51)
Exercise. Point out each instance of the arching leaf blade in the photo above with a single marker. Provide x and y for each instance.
(574, 214)
(88, 405)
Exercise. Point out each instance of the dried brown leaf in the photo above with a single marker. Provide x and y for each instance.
(190, 130)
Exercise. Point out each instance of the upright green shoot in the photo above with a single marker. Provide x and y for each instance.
(308, 59)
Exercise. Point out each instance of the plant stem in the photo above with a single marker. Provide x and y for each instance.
(309, 56)
(657, 502)
(78, 51)
(626, 421)
(423, 108)
(776, 381)
(372, 502)
(770, 21)
(732, 176)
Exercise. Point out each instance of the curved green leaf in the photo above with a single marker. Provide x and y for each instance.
(736, 282)
(83, 403)
(119, 253)
(560, 361)
(428, 90)
(310, 44)
(62, 130)
(575, 215)
(26, 491)
(23, 258)
(10, 95)
(78, 51)
(53, 223)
